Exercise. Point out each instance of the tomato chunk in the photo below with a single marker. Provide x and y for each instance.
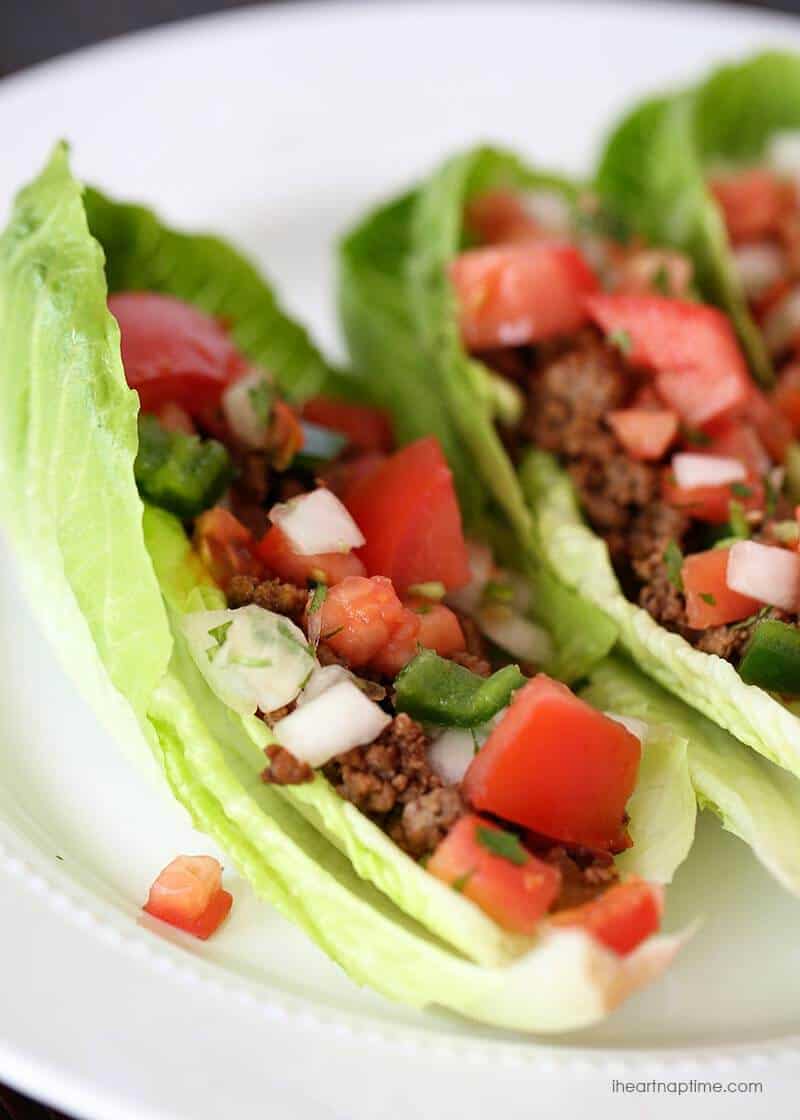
(754, 202)
(515, 888)
(644, 432)
(276, 551)
(620, 918)
(439, 628)
(692, 350)
(786, 396)
(772, 427)
(366, 428)
(226, 547)
(556, 766)
(500, 216)
(359, 616)
(188, 894)
(712, 503)
(511, 295)
(709, 600)
(736, 439)
(408, 512)
(403, 645)
(171, 351)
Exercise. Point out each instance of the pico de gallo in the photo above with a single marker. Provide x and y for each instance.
(376, 641)
(676, 456)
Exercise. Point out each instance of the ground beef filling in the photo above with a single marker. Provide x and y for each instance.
(271, 594)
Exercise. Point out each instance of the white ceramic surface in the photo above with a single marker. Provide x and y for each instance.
(276, 127)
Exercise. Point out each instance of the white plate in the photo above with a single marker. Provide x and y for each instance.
(276, 127)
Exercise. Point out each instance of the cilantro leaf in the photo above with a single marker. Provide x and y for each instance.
(621, 339)
(318, 597)
(260, 397)
(460, 883)
(503, 844)
(737, 520)
(661, 280)
(741, 490)
(707, 597)
(673, 558)
(219, 634)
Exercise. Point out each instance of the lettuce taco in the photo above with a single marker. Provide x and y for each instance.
(583, 354)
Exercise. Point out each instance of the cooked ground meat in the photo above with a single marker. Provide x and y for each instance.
(613, 490)
(284, 769)
(473, 662)
(391, 779)
(662, 599)
(475, 656)
(651, 531)
(729, 641)
(584, 875)
(272, 594)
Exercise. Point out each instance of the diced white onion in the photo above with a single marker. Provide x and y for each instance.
(766, 573)
(337, 720)
(317, 522)
(251, 657)
(481, 566)
(514, 633)
(691, 469)
(550, 210)
(637, 727)
(451, 754)
(759, 265)
(245, 405)
(782, 323)
(323, 678)
(783, 152)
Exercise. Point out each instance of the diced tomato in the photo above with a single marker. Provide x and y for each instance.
(359, 616)
(439, 628)
(773, 427)
(403, 645)
(499, 217)
(709, 600)
(620, 918)
(516, 294)
(711, 503)
(556, 766)
(276, 551)
(515, 889)
(692, 350)
(786, 395)
(173, 418)
(226, 547)
(188, 894)
(285, 435)
(366, 428)
(644, 432)
(408, 512)
(754, 202)
(737, 439)
(171, 351)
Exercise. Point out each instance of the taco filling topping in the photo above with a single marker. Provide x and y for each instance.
(677, 458)
(377, 642)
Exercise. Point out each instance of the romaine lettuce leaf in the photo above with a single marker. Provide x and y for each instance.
(706, 682)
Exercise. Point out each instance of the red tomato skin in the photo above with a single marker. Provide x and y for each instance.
(279, 557)
(498, 217)
(188, 894)
(511, 295)
(621, 918)
(645, 433)
(556, 766)
(408, 512)
(439, 628)
(226, 547)
(171, 351)
(359, 616)
(403, 645)
(753, 202)
(515, 896)
(736, 439)
(705, 573)
(690, 348)
(367, 429)
(786, 396)
(773, 428)
(709, 503)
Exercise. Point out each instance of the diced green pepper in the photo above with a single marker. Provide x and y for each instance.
(772, 658)
(179, 472)
(440, 691)
(320, 445)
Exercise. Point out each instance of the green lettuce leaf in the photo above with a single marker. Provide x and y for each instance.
(755, 800)
(706, 682)
(141, 253)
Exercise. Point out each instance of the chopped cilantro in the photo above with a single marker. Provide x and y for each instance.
(771, 496)
(726, 542)
(462, 880)
(661, 280)
(737, 521)
(285, 632)
(696, 437)
(260, 397)
(219, 634)
(318, 597)
(497, 592)
(434, 589)
(422, 608)
(673, 558)
(707, 597)
(752, 619)
(503, 844)
(252, 662)
(741, 490)
(622, 340)
(331, 633)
